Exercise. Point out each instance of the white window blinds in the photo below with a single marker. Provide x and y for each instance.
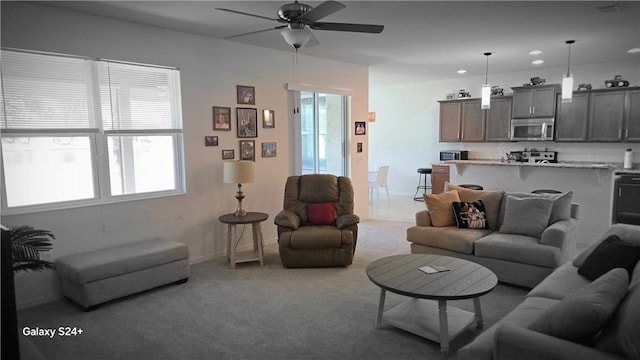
(136, 98)
(46, 92)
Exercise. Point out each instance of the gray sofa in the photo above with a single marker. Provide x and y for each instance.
(513, 338)
(520, 258)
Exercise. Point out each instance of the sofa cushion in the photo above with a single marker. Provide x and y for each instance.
(561, 209)
(492, 201)
(560, 283)
(611, 253)
(446, 237)
(626, 232)
(584, 313)
(526, 216)
(470, 214)
(523, 315)
(321, 214)
(620, 335)
(314, 237)
(439, 206)
(518, 248)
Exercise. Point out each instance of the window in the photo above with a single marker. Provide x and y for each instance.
(79, 131)
(322, 133)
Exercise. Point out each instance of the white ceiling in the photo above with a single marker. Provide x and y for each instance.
(426, 39)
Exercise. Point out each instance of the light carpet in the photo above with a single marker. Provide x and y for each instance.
(257, 312)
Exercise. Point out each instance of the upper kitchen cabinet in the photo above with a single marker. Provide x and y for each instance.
(534, 101)
(632, 116)
(498, 119)
(571, 118)
(606, 116)
(450, 112)
(464, 120)
(472, 121)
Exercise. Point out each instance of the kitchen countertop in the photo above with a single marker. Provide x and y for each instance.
(569, 164)
(524, 167)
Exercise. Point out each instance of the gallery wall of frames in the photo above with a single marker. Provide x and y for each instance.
(246, 126)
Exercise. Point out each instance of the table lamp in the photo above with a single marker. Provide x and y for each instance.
(238, 172)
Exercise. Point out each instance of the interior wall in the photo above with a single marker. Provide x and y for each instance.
(210, 71)
(411, 113)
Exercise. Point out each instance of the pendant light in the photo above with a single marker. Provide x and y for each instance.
(486, 88)
(567, 79)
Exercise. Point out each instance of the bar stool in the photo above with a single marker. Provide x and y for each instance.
(471, 186)
(422, 174)
(546, 191)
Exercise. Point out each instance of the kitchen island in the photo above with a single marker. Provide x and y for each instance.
(591, 184)
(523, 168)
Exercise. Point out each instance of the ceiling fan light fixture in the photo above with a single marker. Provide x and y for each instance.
(296, 37)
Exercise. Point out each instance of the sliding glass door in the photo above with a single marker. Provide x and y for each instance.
(322, 132)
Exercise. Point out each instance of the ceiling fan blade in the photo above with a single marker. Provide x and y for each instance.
(325, 9)
(365, 28)
(247, 14)
(255, 32)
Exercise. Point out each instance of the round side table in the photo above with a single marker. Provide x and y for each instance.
(253, 218)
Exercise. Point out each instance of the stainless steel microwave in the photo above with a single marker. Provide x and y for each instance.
(539, 129)
(454, 155)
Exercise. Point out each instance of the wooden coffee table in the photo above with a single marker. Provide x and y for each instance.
(434, 320)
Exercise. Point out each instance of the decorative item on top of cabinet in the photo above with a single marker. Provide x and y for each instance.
(534, 101)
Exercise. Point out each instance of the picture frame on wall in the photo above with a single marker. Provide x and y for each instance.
(210, 141)
(246, 94)
(248, 150)
(228, 154)
(247, 122)
(269, 149)
(361, 128)
(268, 119)
(221, 118)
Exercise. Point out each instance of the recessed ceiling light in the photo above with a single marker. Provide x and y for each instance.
(537, 62)
(634, 51)
(535, 52)
(462, 71)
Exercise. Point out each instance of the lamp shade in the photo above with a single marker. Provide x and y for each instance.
(485, 102)
(296, 37)
(567, 88)
(238, 172)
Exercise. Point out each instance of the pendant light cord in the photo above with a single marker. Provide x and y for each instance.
(569, 60)
(486, 73)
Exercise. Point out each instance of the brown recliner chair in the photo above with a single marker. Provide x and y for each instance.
(317, 227)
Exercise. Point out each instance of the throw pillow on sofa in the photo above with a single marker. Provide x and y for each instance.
(439, 206)
(470, 214)
(526, 216)
(611, 253)
(585, 312)
(491, 199)
(321, 213)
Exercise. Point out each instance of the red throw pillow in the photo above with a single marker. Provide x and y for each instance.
(321, 214)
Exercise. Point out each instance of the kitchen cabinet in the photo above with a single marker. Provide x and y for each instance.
(471, 121)
(632, 116)
(450, 112)
(534, 101)
(439, 175)
(606, 116)
(498, 119)
(571, 118)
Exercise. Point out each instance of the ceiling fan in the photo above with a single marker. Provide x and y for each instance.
(295, 17)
